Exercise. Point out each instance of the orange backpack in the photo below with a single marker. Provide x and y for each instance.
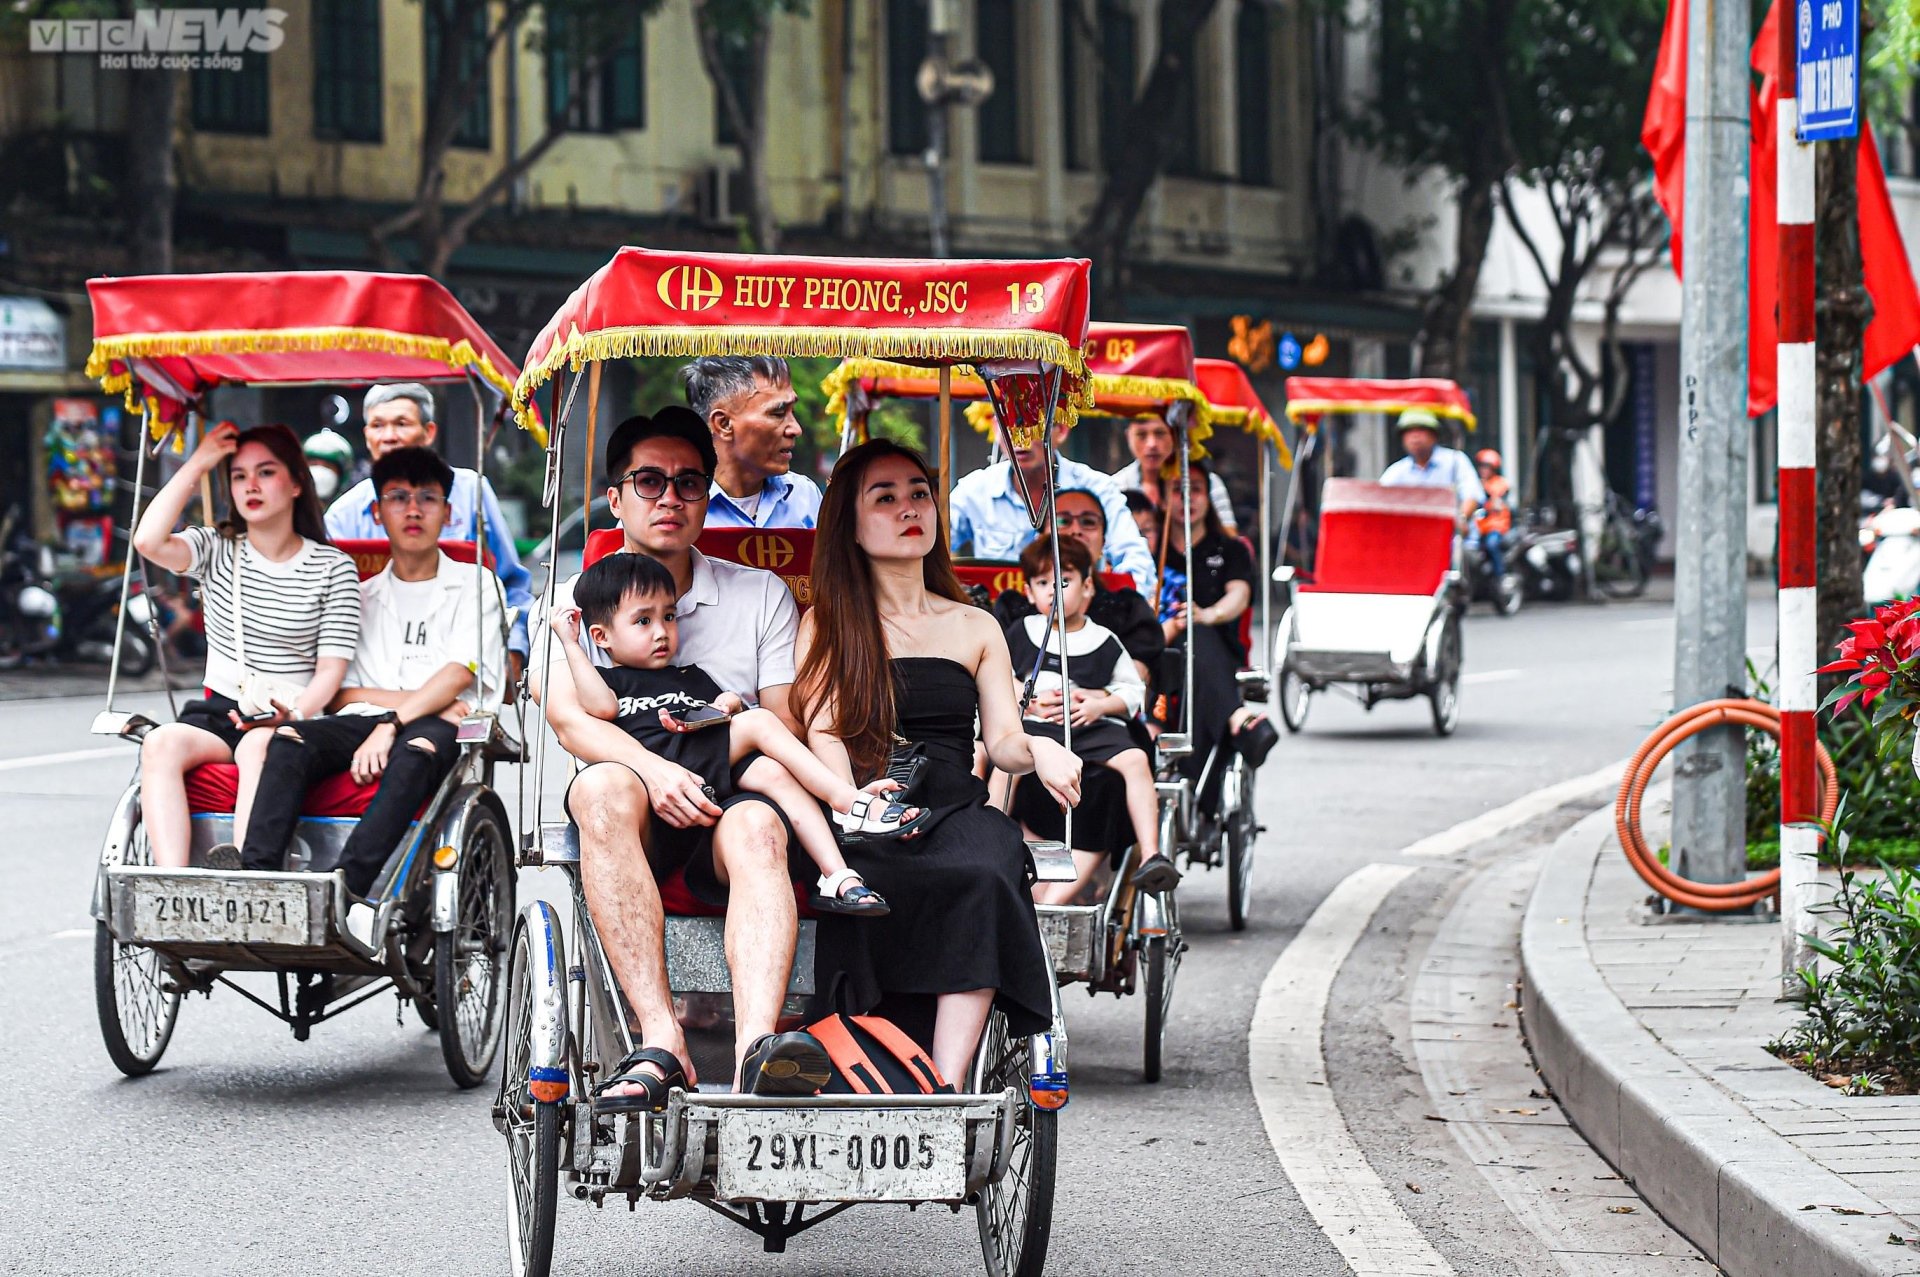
(872, 1056)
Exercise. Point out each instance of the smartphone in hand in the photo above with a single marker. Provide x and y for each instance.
(699, 716)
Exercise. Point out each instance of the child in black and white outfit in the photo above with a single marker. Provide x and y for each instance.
(627, 603)
(1107, 697)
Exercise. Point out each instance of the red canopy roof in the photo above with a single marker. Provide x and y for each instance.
(1313, 397)
(683, 305)
(1232, 401)
(177, 336)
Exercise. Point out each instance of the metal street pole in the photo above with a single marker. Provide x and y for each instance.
(1710, 619)
(940, 24)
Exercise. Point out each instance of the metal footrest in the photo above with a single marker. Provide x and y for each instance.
(237, 919)
(1075, 937)
(697, 957)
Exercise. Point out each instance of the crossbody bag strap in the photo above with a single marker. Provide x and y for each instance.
(239, 629)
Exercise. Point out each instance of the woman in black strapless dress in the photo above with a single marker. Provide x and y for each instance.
(892, 657)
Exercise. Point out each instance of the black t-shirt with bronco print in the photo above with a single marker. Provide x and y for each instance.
(644, 693)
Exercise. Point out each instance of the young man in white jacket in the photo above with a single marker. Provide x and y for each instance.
(432, 648)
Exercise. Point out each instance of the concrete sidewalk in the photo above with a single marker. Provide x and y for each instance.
(1652, 1034)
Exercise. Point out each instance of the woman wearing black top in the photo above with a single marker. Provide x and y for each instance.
(1222, 592)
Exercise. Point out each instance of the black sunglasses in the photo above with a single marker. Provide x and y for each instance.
(649, 484)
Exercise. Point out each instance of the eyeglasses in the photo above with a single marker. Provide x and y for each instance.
(1085, 522)
(649, 484)
(401, 498)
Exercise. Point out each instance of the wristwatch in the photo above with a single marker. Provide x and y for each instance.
(388, 716)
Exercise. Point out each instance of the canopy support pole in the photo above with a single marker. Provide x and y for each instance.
(1186, 550)
(550, 489)
(126, 569)
(946, 438)
(1269, 458)
(593, 428)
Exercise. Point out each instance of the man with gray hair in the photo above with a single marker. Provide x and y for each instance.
(400, 415)
(747, 401)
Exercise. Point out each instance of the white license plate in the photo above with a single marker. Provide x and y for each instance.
(221, 911)
(842, 1155)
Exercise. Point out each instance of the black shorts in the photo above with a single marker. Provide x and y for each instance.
(210, 715)
(690, 850)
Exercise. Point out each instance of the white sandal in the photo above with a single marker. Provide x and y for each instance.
(862, 823)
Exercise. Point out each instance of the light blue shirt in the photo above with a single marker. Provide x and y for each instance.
(1446, 468)
(786, 501)
(351, 517)
(990, 516)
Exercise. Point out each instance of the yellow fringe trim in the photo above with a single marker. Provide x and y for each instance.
(1300, 408)
(959, 346)
(458, 356)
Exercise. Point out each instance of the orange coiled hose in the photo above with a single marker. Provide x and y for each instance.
(1713, 897)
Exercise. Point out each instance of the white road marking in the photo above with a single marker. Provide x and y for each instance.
(1491, 676)
(1289, 1074)
(1491, 824)
(73, 933)
(70, 756)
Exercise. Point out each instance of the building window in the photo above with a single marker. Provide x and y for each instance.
(233, 101)
(1119, 76)
(1187, 158)
(997, 43)
(346, 70)
(906, 50)
(475, 128)
(614, 94)
(1253, 92)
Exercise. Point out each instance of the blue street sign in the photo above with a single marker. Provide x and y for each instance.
(1828, 61)
(1288, 351)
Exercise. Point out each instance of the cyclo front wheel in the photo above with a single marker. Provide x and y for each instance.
(1016, 1212)
(1241, 826)
(466, 960)
(532, 1129)
(136, 1007)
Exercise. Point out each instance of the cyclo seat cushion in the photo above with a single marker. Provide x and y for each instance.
(1380, 540)
(678, 901)
(213, 787)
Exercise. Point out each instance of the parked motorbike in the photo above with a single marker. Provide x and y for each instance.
(1891, 539)
(30, 622)
(1623, 562)
(1506, 590)
(1548, 559)
(90, 606)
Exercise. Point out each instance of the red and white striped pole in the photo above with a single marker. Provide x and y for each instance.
(1798, 609)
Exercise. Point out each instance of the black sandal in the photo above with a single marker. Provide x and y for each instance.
(653, 1092)
(859, 899)
(1255, 740)
(787, 1064)
(1157, 874)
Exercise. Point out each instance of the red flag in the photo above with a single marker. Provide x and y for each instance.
(1894, 329)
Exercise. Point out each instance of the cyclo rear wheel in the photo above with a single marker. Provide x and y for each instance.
(1016, 1213)
(1240, 827)
(466, 961)
(137, 1011)
(532, 1129)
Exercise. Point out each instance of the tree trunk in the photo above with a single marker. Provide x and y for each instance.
(1840, 314)
(1148, 126)
(151, 184)
(753, 145)
(1446, 332)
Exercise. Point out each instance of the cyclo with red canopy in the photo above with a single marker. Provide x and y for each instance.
(444, 899)
(1374, 609)
(992, 1146)
(1129, 940)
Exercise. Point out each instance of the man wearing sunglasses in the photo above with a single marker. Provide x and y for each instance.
(644, 821)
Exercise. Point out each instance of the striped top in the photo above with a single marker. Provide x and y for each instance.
(298, 612)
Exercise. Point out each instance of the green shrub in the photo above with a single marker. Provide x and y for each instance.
(1884, 793)
(1861, 1006)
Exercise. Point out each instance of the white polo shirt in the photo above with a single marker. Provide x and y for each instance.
(737, 623)
(462, 626)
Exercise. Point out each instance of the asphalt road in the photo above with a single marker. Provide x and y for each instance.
(352, 1154)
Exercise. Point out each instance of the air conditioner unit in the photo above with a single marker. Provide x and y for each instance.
(720, 196)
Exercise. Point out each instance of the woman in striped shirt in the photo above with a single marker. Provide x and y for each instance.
(299, 628)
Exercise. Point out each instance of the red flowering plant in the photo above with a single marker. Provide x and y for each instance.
(1880, 658)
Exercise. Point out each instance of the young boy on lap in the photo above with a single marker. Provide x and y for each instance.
(627, 603)
(1107, 695)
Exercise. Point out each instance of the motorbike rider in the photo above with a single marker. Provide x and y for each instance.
(1493, 521)
(329, 461)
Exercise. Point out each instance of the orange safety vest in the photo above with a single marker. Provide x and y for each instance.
(1495, 515)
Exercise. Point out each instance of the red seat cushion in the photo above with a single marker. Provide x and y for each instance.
(370, 556)
(678, 901)
(1380, 540)
(212, 788)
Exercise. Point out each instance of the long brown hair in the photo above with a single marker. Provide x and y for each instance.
(308, 521)
(846, 665)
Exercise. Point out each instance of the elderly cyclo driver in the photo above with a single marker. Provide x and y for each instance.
(642, 817)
